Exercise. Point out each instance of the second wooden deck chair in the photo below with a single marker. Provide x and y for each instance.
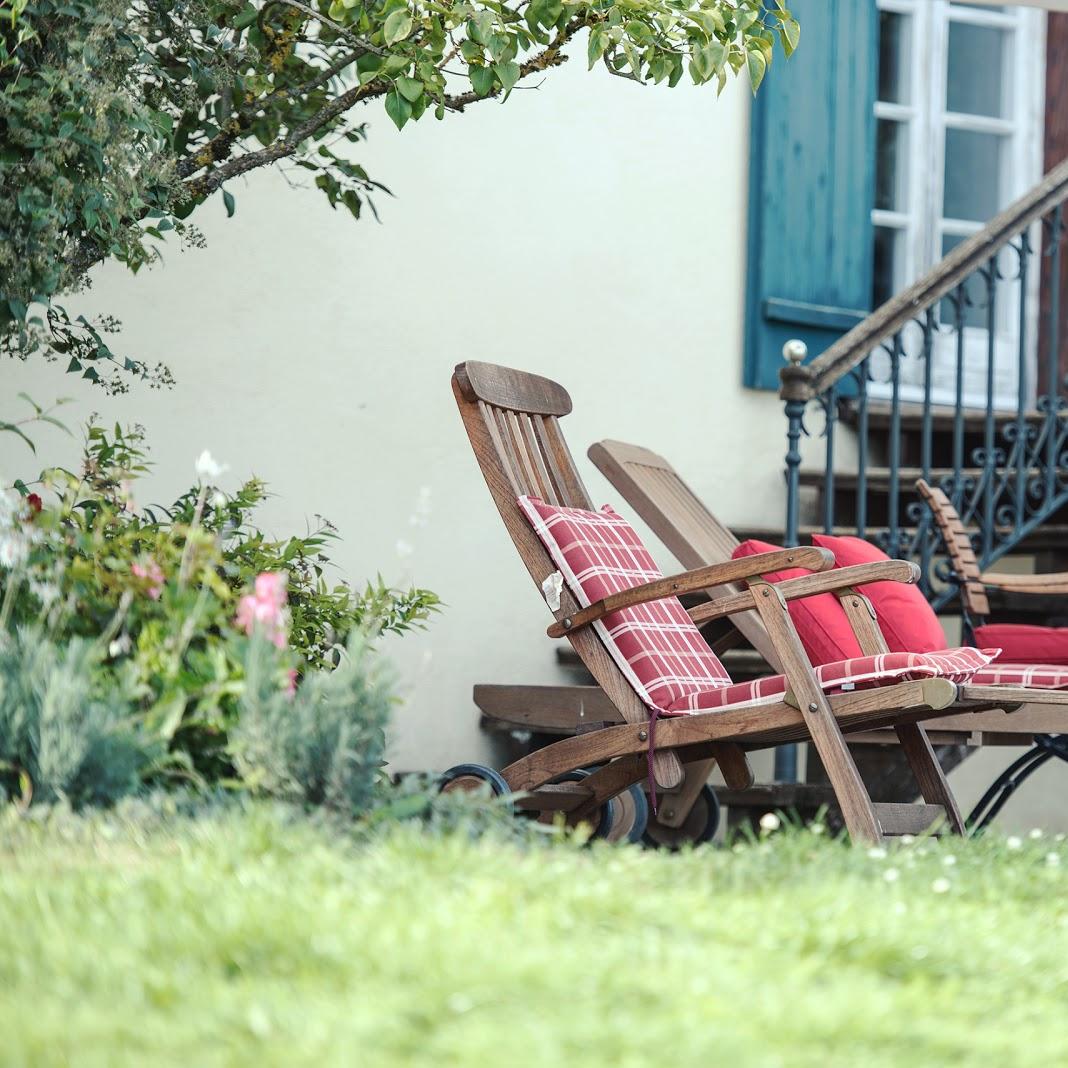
(655, 490)
(513, 421)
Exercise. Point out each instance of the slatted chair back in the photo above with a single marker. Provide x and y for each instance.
(656, 491)
(513, 422)
(960, 552)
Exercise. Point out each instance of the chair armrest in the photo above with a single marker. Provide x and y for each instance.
(811, 585)
(1054, 582)
(701, 578)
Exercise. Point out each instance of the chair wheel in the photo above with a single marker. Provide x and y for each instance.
(472, 777)
(699, 826)
(630, 811)
(601, 818)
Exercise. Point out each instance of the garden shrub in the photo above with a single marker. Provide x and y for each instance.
(322, 743)
(59, 738)
(167, 599)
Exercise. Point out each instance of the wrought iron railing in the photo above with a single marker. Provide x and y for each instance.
(958, 379)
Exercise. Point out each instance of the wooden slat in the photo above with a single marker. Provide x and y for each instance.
(552, 709)
(898, 819)
(506, 387)
(545, 443)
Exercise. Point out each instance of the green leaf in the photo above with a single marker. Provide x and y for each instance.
(397, 26)
(789, 35)
(598, 43)
(481, 80)
(758, 65)
(409, 88)
(508, 73)
(398, 109)
(245, 17)
(228, 203)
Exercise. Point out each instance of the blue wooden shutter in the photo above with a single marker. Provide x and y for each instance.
(811, 187)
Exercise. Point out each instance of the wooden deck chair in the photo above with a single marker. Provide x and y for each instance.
(1029, 652)
(513, 422)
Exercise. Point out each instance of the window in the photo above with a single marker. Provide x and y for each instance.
(958, 116)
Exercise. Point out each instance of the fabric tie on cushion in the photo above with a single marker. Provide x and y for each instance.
(656, 645)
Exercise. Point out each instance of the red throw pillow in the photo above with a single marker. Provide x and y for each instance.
(907, 621)
(820, 621)
(1024, 643)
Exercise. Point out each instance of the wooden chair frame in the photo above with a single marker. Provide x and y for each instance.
(972, 580)
(513, 422)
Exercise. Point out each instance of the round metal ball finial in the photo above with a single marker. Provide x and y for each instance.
(794, 351)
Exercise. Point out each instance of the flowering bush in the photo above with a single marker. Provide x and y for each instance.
(172, 596)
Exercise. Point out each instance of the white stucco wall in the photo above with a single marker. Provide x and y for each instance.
(591, 231)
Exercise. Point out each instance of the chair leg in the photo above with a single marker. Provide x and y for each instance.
(848, 786)
(931, 779)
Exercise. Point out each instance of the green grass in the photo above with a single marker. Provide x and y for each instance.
(256, 937)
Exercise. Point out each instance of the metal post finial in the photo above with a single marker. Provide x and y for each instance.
(795, 351)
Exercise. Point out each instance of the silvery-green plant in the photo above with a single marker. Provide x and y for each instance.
(320, 743)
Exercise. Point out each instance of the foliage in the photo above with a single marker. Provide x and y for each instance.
(290, 943)
(118, 119)
(163, 590)
(322, 744)
(60, 735)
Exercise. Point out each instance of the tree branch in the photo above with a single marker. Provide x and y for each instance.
(551, 57)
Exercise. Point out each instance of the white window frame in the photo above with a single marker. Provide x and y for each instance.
(927, 122)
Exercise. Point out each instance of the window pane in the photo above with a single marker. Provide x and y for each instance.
(889, 267)
(893, 57)
(973, 175)
(975, 313)
(977, 80)
(891, 165)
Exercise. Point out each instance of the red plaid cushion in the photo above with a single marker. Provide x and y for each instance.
(1037, 676)
(957, 665)
(656, 645)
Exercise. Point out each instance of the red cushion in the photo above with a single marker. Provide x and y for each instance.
(655, 645)
(820, 621)
(865, 672)
(1036, 676)
(1021, 643)
(907, 621)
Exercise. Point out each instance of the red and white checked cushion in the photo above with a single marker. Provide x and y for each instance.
(861, 673)
(655, 645)
(1037, 676)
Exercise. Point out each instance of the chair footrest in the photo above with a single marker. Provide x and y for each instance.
(897, 819)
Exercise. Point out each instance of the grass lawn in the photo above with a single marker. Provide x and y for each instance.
(255, 937)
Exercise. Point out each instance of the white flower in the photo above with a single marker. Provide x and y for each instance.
(949, 861)
(1012, 842)
(817, 828)
(207, 468)
(769, 822)
(941, 886)
(877, 853)
(119, 646)
(1035, 832)
(12, 551)
(891, 875)
(45, 592)
(1053, 859)
(218, 499)
(908, 839)
(404, 548)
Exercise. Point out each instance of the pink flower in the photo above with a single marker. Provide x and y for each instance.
(291, 688)
(151, 573)
(265, 607)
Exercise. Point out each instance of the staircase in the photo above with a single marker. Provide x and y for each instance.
(959, 380)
